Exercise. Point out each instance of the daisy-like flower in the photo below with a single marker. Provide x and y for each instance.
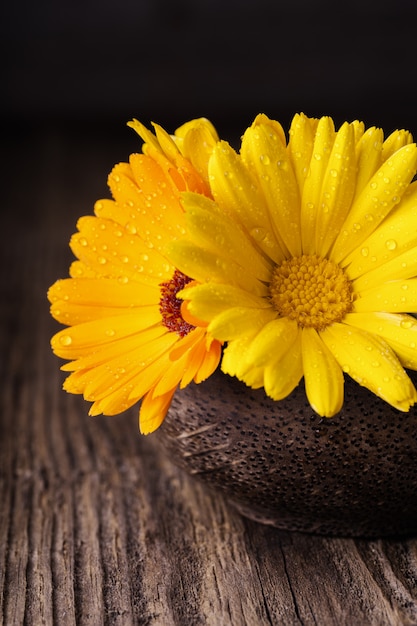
(306, 259)
(130, 337)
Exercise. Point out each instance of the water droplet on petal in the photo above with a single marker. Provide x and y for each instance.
(406, 323)
(65, 340)
(265, 160)
(391, 244)
(365, 251)
(83, 241)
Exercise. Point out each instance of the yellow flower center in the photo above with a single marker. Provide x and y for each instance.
(170, 305)
(314, 292)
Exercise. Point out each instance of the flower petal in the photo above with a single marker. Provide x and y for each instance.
(322, 375)
(400, 331)
(310, 203)
(300, 146)
(208, 300)
(238, 322)
(370, 361)
(131, 257)
(235, 191)
(380, 195)
(281, 377)
(221, 235)
(266, 155)
(396, 296)
(153, 410)
(271, 343)
(337, 189)
(369, 157)
(396, 235)
(203, 265)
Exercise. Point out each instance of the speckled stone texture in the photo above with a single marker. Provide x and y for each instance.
(279, 463)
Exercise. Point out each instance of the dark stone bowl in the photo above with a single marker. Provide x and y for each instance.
(281, 464)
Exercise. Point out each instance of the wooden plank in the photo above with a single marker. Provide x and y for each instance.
(98, 527)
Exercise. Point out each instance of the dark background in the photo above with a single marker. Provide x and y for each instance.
(96, 64)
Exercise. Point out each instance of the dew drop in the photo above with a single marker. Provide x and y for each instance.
(265, 160)
(374, 185)
(365, 252)
(406, 323)
(391, 244)
(317, 156)
(65, 340)
(83, 242)
(125, 259)
(258, 233)
(110, 332)
(102, 260)
(334, 173)
(131, 228)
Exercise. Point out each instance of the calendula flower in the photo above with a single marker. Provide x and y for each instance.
(128, 339)
(307, 259)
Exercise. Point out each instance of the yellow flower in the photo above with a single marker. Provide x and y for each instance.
(128, 338)
(307, 259)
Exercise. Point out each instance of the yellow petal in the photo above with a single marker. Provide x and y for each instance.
(380, 195)
(145, 134)
(400, 331)
(281, 377)
(396, 296)
(271, 343)
(400, 267)
(370, 361)
(396, 235)
(236, 193)
(395, 141)
(300, 147)
(222, 236)
(203, 265)
(322, 375)
(84, 340)
(210, 299)
(196, 140)
(98, 292)
(337, 189)
(369, 157)
(238, 321)
(114, 253)
(310, 204)
(265, 154)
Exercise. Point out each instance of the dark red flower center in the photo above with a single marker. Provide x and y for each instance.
(170, 305)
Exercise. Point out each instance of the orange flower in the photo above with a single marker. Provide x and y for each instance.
(127, 338)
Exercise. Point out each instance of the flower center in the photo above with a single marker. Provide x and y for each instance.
(170, 305)
(314, 292)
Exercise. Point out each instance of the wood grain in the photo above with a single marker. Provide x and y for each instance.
(96, 525)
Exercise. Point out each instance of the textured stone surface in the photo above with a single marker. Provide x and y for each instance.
(353, 474)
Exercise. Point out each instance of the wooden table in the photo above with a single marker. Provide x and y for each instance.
(97, 527)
